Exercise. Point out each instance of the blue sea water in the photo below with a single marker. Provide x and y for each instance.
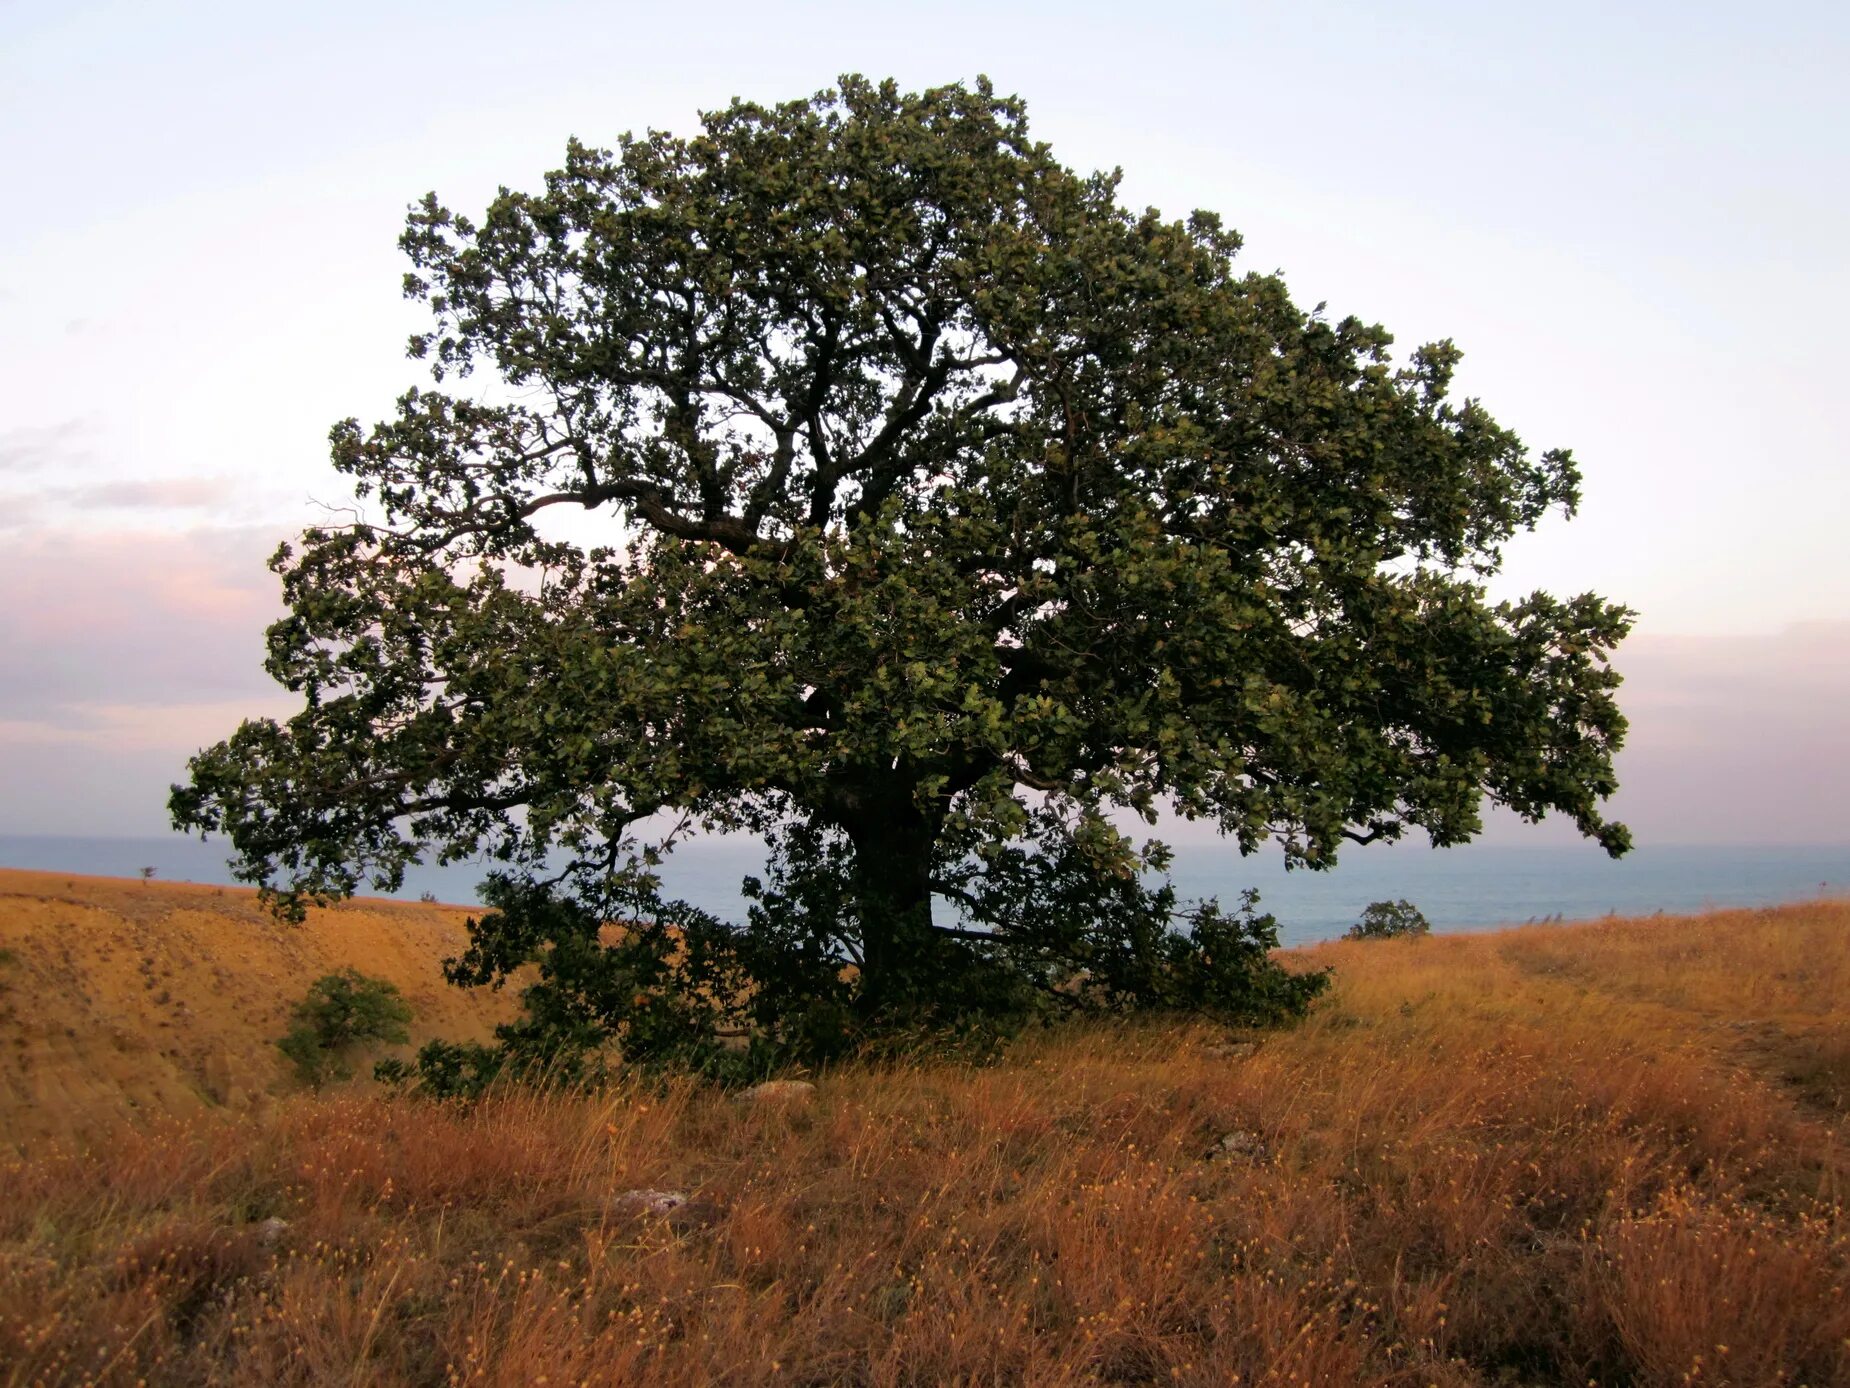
(1469, 888)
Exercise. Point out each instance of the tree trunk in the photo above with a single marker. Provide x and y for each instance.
(893, 844)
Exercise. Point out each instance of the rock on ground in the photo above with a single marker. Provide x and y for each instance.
(780, 1091)
(679, 1210)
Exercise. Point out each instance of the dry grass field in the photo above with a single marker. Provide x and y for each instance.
(1610, 1153)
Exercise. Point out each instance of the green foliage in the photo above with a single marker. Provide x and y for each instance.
(678, 988)
(446, 1069)
(343, 1012)
(953, 516)
(1385, 920)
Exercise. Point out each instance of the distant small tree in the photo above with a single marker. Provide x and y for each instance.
(342, 1013)
(147, 874)
(1386, 920)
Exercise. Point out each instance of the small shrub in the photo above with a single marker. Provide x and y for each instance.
(343, 1012)
(445, 1069)
(1388, 920)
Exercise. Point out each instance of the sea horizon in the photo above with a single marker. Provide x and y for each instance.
(1472, 887)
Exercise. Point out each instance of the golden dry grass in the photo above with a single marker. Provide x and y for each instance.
(122, 997)
(1610, 1153)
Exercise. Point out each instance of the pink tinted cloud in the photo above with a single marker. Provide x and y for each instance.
(133, 617)
(126, 652)
(60, 507)
(166, 493)
(1738, 739)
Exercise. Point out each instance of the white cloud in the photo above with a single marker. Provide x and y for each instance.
(37, 448)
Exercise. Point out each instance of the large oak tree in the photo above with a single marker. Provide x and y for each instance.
(854, 473)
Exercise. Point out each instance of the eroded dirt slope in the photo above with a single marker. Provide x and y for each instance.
(120, 997)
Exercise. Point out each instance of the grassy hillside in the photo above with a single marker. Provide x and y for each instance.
(1611, 1153)
(118, 997)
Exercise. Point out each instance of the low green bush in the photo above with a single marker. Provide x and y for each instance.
(343, 1013)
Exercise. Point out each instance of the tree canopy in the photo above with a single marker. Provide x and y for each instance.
(853, 473)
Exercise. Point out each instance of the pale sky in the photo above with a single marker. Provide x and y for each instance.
(1635, 219)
